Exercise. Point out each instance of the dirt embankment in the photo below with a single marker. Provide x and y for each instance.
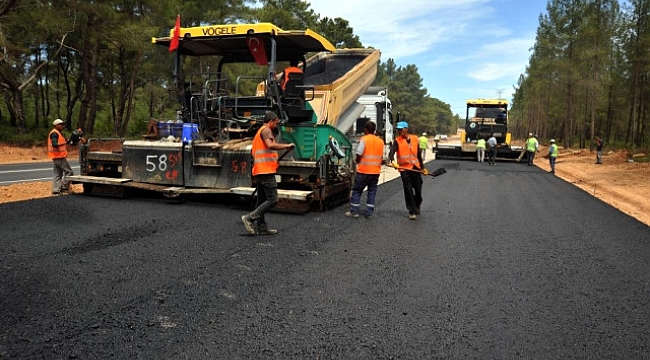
(32, 190)
(620, 183)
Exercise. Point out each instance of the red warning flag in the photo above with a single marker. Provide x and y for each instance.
(256, 47)
(173, 45)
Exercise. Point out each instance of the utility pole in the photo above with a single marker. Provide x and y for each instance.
(500, 91)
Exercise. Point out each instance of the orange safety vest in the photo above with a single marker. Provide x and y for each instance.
(285, 75)
(265, 160)
(372, 156)
(59, 152)
(407, 155)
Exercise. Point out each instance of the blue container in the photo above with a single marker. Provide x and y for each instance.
(190, 132)
(177, 129)
(163, 129)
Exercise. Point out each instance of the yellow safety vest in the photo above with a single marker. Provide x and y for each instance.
(531, 144)
(554, 150)
(424, 141)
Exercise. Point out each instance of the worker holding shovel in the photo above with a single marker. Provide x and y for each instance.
(406, 157)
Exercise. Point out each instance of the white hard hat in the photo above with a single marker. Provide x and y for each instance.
(552, 140)
(57, 122)
(424, 134)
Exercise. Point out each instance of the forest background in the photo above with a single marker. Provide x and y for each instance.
(92, 64)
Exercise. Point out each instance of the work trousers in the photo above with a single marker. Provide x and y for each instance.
(361, 181)
(267, 198)
(480, 154)
(62, 170)
(493, 155)
(551, 162)
(412, 183)
(531, 157)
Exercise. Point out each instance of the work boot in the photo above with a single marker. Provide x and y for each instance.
(267, 232)
(351, 214)
(248, 223)
(412, 216)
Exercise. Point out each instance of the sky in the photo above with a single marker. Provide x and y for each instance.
(463, 49)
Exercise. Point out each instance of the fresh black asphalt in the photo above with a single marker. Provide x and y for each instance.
(505, 262)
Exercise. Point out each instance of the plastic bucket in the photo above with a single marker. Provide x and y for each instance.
(190, 132)
(163, 129)
(177, 129)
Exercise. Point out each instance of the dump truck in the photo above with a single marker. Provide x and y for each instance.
(205, 149)
(483, 118)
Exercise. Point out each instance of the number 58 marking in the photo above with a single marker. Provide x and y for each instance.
(156, 162)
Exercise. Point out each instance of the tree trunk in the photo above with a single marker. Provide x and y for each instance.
(18, 111)
(134, 75)
(12, 114)
(120, 100)
(88, 109)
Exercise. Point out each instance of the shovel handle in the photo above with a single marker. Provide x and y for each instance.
(287, 151)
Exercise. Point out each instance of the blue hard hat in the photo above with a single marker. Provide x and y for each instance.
(402, 125)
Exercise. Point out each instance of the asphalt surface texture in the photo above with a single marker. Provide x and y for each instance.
(505, 262)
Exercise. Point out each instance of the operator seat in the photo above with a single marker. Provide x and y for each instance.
(294, 99)
(294, 93)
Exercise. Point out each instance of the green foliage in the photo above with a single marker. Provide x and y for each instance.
(109, 80)
(411, 101)
(286, 14)
(9, 135)
(339, 33)
(588, 74)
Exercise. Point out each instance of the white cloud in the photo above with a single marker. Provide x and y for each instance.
(402, 29)
(495, 71)
(514, 54)
(462, 48)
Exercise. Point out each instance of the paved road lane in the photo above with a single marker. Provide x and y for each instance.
(19, 173)
(504, 262)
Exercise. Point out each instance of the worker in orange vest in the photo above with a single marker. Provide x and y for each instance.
(265, 164)
(410, 165)
(370, 155)
(292, 69)
(57, 151)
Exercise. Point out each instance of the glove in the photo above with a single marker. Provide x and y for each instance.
(395, 164)
(425, 171)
